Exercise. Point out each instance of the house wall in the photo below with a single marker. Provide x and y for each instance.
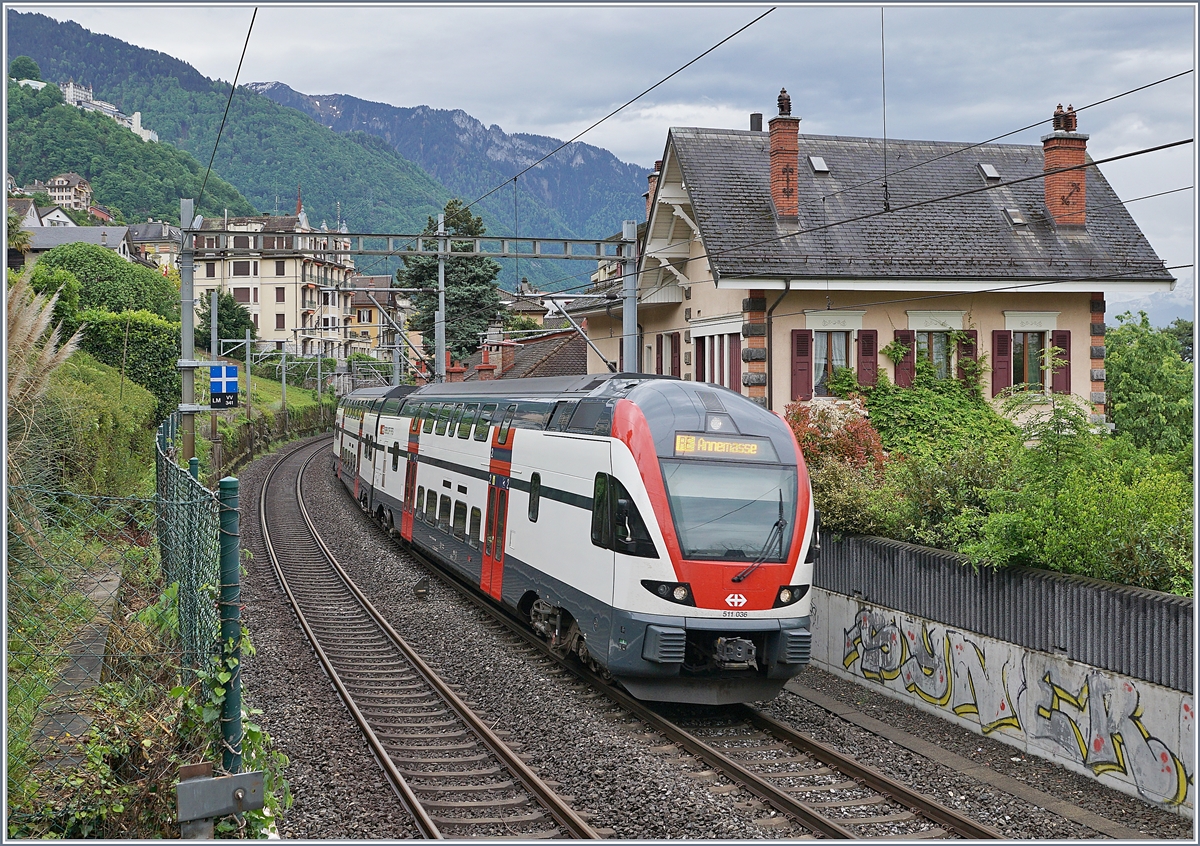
(711, 310)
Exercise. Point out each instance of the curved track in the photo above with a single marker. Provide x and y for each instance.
(820, 789)
(451, 771)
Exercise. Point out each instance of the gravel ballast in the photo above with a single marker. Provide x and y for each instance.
(627, 781)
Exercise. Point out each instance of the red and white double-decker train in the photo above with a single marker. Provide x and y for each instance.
(661, 530)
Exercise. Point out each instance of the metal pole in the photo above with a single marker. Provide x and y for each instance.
(284, 372)
(439, 320)
(194, 468)
(320, 407)
(629, 334)
(249, 420)
(187, 338)
(231, 625)
(214, 348)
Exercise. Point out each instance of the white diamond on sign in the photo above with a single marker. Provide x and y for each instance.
(223, 386)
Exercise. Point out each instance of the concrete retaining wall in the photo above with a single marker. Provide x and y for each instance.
(1130, 734)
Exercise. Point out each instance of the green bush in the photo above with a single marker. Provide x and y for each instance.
(102, 439)
(141, 345)
(110, 283)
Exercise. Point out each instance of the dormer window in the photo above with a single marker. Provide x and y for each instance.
(817, 163)
(1014, 217)
(989, 172)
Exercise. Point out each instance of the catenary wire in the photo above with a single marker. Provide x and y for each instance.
(228, 102)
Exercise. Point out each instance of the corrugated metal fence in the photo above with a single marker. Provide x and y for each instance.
(1139, 633)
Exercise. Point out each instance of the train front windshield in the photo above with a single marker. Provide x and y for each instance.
(730, 511)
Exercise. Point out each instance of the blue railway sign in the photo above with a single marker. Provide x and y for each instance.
(223, 386)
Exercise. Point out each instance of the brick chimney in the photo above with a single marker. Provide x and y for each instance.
(1066, 193)
(785, 156)
(508, 357)
(455, 373)
(486, 372)
(652, 179)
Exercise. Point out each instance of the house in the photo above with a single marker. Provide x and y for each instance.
(378, 311)
(54, 216)
(101, 213)
(70, 190)
(561, 353)
(26, 211)
(116, 238)
(287, 274)
(772, 258)
(156, 241)
(525, 302)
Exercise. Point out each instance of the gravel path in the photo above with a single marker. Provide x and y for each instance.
(630, 783)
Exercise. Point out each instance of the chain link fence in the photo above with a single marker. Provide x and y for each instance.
(111, 608)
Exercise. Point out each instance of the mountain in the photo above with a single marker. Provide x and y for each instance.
(268, 150)
(583, 188)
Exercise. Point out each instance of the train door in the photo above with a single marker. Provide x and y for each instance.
(491, 577)
(410, 475)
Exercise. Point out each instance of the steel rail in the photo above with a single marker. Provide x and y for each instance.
(559, 811)
(897, 791)
(425, 823)
(807, 814)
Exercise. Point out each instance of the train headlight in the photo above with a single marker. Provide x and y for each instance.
(679, 592)
(789, 595)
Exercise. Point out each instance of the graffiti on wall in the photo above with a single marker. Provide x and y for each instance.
(1092, 717)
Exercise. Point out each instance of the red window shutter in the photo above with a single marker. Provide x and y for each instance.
(1002, 366)
(658, 345)
(700, 362)
(868, 356)
(802, 364)
(1060, 380)
(676, 355)
(906, 368)
(734, 344)
(968, 349)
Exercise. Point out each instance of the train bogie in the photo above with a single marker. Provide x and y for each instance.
(660, 531)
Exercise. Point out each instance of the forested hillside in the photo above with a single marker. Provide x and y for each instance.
(141, 179)
(268, 151)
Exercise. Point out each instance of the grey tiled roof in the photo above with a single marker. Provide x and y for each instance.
(141, 232)
(47, 237)
(727, 177)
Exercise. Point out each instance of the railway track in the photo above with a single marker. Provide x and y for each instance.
(456, 776)
(822, 790)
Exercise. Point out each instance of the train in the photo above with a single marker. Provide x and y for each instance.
(660, 530)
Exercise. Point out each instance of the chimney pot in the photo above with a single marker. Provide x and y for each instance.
(1065, 190)
(785, 102)
(756, 121)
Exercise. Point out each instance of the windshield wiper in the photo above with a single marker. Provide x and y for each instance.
(776, 530)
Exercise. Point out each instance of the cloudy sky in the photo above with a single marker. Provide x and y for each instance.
(954, 73)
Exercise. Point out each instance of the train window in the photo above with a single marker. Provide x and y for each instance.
(443, 418)
(473, 535)
(535, 496)
(587, 416)
(455, 417)
(395, 456)
(420, 506)
(562, 413)
(392, 406)
(430, 411)
(616, 522)
(485, 421)
(601, 524)
(506, 424)
(443, 517)
(460, 519)
(431, 508)
(468, 420)
(532, 415)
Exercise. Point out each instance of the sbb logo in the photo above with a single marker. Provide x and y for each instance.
(735, 600)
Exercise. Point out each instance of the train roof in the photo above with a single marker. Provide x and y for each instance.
(385, 392)
(539, 387)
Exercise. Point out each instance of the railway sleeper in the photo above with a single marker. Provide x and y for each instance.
(464, 759)
(816, 771)
(510, 802)
(464, 788)
(901, 816)
(820, 788)
(465, 821)
(851, 803)
(486, 771)
(429, 735)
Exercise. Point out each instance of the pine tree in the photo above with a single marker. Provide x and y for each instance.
(472, 296)
(232, 321)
